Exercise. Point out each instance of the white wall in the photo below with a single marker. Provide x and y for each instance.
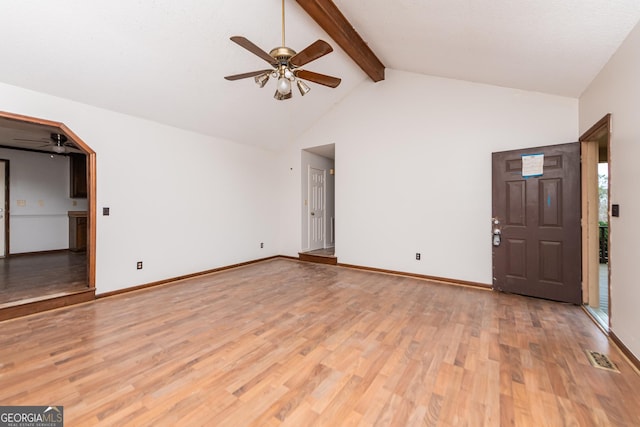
(413, 169)
(616, 90)
(180, 202)
(41, 181)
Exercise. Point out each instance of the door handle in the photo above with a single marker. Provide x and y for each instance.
(497, 237)
(313, 213)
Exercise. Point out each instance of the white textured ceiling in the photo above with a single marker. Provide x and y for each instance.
(551, 46)
(165, 60)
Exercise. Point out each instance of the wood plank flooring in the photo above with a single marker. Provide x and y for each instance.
(287, 343)
(31, 277)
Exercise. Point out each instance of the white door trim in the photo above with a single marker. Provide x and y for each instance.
(4, 208)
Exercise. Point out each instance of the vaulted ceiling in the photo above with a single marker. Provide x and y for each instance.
(164, 60)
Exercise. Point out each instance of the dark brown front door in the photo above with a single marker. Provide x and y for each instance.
(536, 222)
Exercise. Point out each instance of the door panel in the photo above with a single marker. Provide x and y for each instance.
(551, 262)
(516, 203)
(316, 208)
(538, 221)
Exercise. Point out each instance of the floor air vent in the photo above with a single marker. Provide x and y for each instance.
(601, 361)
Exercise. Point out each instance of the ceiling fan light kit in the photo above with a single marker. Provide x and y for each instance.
(279, 96)
(262, 79)
(58, 143)
(284, 86)
(302, 87)
(59, 149)
(286, 63)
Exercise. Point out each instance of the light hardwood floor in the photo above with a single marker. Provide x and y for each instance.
(289, 343)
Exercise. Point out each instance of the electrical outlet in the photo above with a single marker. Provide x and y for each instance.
(139, 265)
(417, 256)
(261, 245)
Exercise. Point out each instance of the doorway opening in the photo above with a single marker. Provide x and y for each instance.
(318, 204)
(33, 269)
(595, 218)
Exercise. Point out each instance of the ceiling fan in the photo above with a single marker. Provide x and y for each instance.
(286, 62)
(58, 143)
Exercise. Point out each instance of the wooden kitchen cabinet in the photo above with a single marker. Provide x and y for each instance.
(77, 231)
(78, 176)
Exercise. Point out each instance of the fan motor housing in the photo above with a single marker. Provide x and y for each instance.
(282, 54)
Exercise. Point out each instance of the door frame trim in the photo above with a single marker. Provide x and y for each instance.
(58, 127)
(5, 211)
(602, 128)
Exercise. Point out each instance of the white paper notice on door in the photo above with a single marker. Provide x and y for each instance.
(532, 165)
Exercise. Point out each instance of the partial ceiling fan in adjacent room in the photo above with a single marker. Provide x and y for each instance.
(286, 62)
(57, 143)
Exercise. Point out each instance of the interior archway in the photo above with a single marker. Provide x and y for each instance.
(10, 122)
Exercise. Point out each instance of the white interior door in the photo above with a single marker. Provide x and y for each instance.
(3, 205)
(317, 192)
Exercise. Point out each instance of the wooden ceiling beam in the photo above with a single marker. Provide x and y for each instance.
(329, 17)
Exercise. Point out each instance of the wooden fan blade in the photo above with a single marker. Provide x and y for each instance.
(315, 50)
(35, 141)
(321, 79)
(245, 75)
(245, 43)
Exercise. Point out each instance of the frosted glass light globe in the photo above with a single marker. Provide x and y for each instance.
(284, 85)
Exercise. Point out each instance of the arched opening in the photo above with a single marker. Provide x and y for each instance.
(26, 134)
